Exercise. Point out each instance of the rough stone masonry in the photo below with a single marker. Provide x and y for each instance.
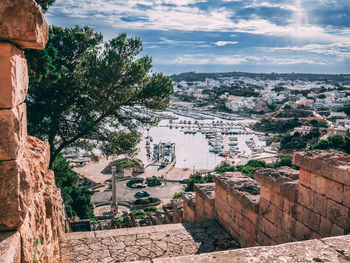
(280, 205)
(31, 207)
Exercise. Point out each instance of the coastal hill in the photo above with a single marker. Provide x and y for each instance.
(331, 78)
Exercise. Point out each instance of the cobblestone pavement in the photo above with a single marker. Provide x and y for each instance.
(145, 243)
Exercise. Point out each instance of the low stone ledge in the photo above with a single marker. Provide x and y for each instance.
(206, 191)
(326, 250)
(241, 187)
(331, 164)
(10, 247)
(23, 23)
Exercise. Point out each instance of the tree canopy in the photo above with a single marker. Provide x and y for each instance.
(45, 4)
(85, 93)
(77, 200)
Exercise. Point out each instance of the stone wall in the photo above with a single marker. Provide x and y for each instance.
(281, 205)
(205, 199)
(31, 205)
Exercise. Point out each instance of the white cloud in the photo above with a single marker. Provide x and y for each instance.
(336, 49)
(181, 16)
(224, 43)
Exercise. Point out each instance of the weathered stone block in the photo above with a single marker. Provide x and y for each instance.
(320, 204)
(306, 197)
(267, 227)
(311, 220)
(318, 183)
(252, 216)
(288, 223)
(346, 196)
(275, 178)
(334, 191)
(325, 227)
(13, 76)
(338, 214)
(337, 231)
(332, 164)
(23, 23)
(13, 130)
(302, 232)
(297, 212)
(304, 178)
(14, 193)
(270, 212)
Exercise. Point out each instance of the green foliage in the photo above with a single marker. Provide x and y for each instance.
(285, 160)
(177, 195)
(292, 113)
(132, 183)
(150, 209)
(224, 167)
(298, 142)
(82, 88)
(37, 242)
(154, 181)
(293, 142)
(276, 126)
(146, 201)
(253, 165)
(346, 109)
(197, 178)
(45, 4)
(140, 214)
(77, 200)
(336, 142)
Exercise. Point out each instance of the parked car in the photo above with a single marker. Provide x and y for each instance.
(142, 194)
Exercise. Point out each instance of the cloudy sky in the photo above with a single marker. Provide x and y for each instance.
(224, 35)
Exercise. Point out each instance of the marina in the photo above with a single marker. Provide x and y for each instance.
(202, 143)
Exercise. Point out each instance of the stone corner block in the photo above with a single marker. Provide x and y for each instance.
(23, 23)
(331, 164)
(275, 179)
(13, 76)
(13, 130)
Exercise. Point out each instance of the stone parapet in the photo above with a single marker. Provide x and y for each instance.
(205, 200)
(177, 210)
(189, 207)
(330, 164)
(244, 189)
(282, 181)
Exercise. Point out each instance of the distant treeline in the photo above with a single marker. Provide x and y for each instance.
(329, 78)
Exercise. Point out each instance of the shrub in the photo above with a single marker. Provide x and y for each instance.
(146, 201)
(197, 178)
(150, 209)
(177, 195)
(135, 181)
(154, 181)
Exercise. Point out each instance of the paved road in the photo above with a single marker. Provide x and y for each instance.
(124, 194)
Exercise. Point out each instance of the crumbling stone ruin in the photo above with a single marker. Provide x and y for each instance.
(31, 207)
(281, 205)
